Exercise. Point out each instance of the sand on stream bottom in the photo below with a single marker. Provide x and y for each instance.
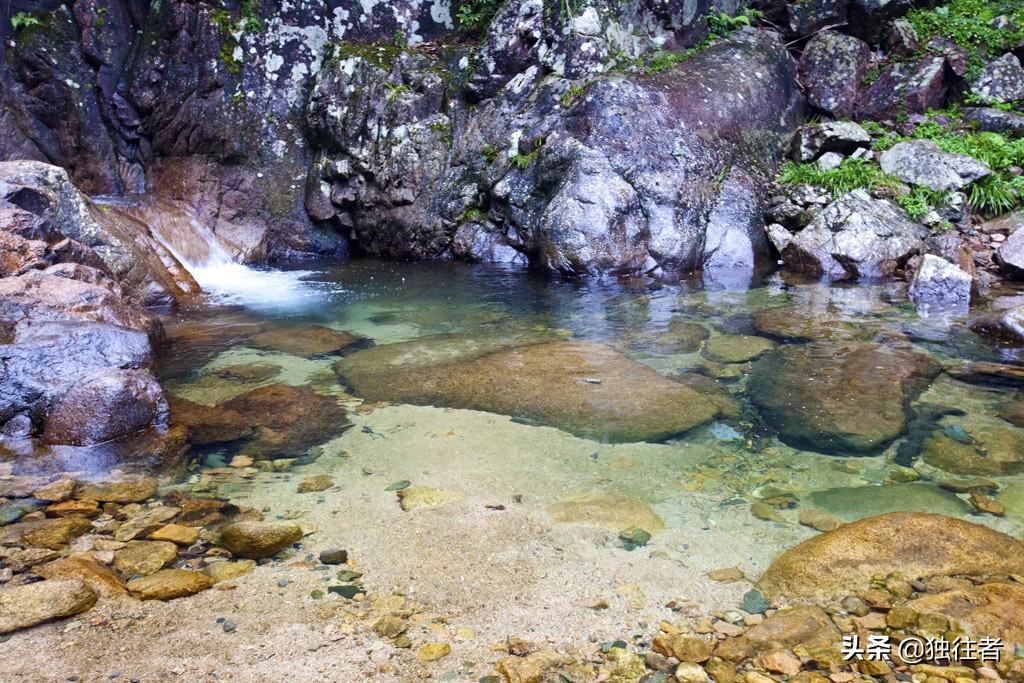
(492, 564)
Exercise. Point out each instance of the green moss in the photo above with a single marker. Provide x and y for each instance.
(383, 56)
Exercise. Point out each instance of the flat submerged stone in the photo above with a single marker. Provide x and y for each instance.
(549, 383)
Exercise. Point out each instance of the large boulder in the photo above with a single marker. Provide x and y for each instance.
(918, 545)
(992, 120)
(922, 162)
(840, 398)
(831, 69)
(106, 405)
(1010, 254)
(906, 88)
(584, 388)
(937, 281)
(843, 137)
(855, 236)
(36, 603)
(256, 540)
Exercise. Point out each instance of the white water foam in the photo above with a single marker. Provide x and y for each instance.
(197, 248)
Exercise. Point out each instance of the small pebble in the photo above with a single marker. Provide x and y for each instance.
(229, 626)
(281, 583)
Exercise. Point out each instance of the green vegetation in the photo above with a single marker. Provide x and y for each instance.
(724, 24)
(474, 16)
(490, 153)
(522, 161)
(995, 194)
(247, 22)
(984, 28)
(24, 20)
(572, 95)
(720, 25)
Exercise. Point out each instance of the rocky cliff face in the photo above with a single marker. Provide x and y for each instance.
(296, 128)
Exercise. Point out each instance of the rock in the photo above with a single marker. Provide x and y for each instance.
(736, 348)
(919, 545)
(98, 577)
(56, 492)
(766, 513)
(144, 557)
(208, 424)
(856, 402)
(754, 603)
(1001, 80)
(905, 88)
(795, 323)
(434, 651)
(316, 483)
(311, 341)
(991, 610)
(923, 162)
(688, 672)
(778, 236)
(806, 626)
(529, 669)
(855, 236)
(869, 18)
(35, 603)
(132, 490)
(547, 383)
(992, 120)
(256, 540)
(831, 69)
(145, 522)
(683, 648)
(634, 537)
(937, 281)
(417, 497)
(169, 584)
(52, 534)
(780, 662)
(1010, 254)
(1003, 326)
(807, 18)
(844, 137)
(849, 504)
(608, 511)
(818, 520)
(987, 505)
(333, 556)
(176, 533)
(983, 447)
(30, 557)
(107, 405)
(74, 508)
(390, 626)
(287, 420)
(229, 571)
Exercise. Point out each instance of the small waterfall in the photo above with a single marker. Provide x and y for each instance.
(196, 246)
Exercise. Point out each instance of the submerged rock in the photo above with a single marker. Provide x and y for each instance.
(311, 341)
(604, 510)
(802, 323)
(992, 610)
(855, 236)
(416, 497)
(98, 577)
(976, 446)
(921, 546)
(208, 424)
(144, 557)
(857, 502)
(130, 490)
(169, 584)
(256, 540)
(286, 420)
(547, 383)
(736, 348)
(839, 398)
(35, 603)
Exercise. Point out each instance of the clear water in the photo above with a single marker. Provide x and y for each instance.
(740, 456)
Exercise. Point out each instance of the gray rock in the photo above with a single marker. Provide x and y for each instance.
(906, 88)
(831, 69)
(788, 215)
(734, 237)
(922, 162)
(778, 236)
(937, 281)
(830, 161)
(901, 38)
(844, 137)
(855, 236)
(1001, 80)
(1010, 255)
(809, 16)
(869, 18)
(992, 120)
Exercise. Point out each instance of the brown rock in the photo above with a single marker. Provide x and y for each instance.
(529, 669)
(390, 626)
(74, 508)
(311, 341)
(987, 504)
(57, 491)
(727, 575)
(145, 523)
(208, 424)
(28, 558)
(98, 577)
(256, 540)
(818, 520)
(176, 533)
(779, 662)
(805, 625)
(229, 571)
(683, 648)
(919, 545)
(129, 491)
(316, 483)
(169, 584)
(53, 534)
(991, 610)
(35, 603)
(144, 557)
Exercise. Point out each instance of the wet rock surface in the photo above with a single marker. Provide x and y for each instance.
(839, 397)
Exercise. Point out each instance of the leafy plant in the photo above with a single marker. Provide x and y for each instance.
(490, 153)
(24, 20)
(476, 15)
(984, 28)
(572, 95)
(723, 23)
